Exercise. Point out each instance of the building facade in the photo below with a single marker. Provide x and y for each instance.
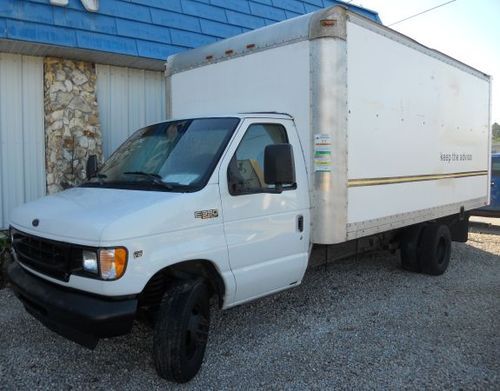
(79, 76)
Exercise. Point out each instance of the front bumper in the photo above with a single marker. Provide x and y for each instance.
(80, 317)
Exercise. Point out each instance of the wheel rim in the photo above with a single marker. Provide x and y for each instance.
(441, 251)
(196, 332)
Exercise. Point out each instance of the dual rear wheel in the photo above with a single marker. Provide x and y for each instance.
(426, 248)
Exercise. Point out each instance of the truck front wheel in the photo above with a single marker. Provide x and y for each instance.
(435, 249)
(181, 331)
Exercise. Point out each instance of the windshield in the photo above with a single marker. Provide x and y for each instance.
(170, 156)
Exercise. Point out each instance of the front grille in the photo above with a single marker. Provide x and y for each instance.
(43, 255)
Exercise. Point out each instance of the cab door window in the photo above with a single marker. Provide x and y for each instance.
(246, 169)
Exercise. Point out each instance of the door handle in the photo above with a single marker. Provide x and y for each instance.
(300, 223)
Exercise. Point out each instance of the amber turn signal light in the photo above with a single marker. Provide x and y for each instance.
(113, 262)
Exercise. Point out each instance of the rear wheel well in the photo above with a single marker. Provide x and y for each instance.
(457, 223)
(151, 295)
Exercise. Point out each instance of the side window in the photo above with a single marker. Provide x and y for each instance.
(246, 169)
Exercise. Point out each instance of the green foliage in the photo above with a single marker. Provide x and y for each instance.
(4, 241)
(495, 128)
(4, 254)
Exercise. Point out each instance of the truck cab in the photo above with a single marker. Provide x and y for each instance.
(219, 202)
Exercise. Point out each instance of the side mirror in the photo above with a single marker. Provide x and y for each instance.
(91, 166)
(279, 167)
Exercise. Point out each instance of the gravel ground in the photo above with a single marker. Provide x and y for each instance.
(362, 324)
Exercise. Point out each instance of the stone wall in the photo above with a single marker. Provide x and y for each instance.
(72, 129)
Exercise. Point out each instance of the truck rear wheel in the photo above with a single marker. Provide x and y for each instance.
(181, 331)
(435, 249)
(409, 248)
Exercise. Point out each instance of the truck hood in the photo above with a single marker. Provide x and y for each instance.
(94, 215)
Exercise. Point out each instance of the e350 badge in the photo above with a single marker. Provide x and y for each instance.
(206, 214)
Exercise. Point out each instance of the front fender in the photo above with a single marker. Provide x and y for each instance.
(150, 254)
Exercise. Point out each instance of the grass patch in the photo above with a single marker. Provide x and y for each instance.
(4, 240)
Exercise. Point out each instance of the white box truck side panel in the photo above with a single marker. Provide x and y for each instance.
(418, 131)
(261, 82)
(405, 128)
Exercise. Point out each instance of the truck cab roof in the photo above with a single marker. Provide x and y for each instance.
(243, 115)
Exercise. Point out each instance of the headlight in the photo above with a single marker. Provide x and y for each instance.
(108, 263)
(89, 259)
(113, 262)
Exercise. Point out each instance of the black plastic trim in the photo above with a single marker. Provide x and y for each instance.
(73, 314)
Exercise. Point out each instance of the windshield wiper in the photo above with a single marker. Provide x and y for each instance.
(98, 177)
(142, 173)
(154, 178)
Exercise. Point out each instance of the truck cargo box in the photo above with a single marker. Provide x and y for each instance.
(394, 133)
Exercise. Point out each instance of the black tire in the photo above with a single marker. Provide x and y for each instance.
(409, 248)
(181, 331)
(435, 251)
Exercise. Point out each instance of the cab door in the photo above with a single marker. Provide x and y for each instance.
(267, 233)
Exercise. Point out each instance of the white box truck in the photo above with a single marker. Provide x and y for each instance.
(342, 136)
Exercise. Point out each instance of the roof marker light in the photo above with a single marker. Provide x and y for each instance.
(328, 22)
